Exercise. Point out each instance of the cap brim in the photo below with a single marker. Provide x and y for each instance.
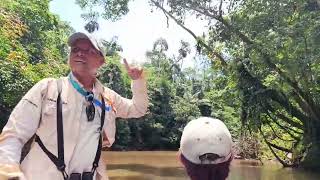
(75, 36)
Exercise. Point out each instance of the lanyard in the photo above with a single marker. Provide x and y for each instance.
(86, 94)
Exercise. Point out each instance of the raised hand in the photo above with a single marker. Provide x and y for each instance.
(133, 72)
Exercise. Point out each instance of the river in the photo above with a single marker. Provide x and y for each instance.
(164, 165)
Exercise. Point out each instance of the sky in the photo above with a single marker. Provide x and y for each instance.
(136, 31)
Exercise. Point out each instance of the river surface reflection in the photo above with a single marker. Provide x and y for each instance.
(164, 165)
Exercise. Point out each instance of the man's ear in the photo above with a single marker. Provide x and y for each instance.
(102, 61)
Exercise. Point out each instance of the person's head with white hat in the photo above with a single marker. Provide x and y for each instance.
(206, 149)
(87, 56)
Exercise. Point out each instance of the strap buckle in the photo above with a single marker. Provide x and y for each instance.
(61, 167)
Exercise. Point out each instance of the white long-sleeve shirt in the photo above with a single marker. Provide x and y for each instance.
(36, 113)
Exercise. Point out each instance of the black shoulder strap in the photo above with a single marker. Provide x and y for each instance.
(99, 149)
(60, 124)
(26, 148)
(103, 109)
(59, 85)
(58, 161)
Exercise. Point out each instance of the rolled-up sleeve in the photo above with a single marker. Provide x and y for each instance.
(135, 107)
(22, 124)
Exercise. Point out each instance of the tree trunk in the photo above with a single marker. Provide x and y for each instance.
(311, 160)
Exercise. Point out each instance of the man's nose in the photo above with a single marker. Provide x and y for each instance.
(80, 53)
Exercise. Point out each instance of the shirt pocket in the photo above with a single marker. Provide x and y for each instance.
(48, 124)
(49, 110)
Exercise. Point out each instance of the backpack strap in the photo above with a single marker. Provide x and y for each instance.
(58, 161)
(61, 166)
(26, 148)
(99, 149)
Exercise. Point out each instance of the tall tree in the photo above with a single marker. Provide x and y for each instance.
(271, 53)
(32, 46)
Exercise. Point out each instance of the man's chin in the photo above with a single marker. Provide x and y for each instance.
(85, 72)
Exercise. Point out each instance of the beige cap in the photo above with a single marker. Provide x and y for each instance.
(206, 136)
(80, 35)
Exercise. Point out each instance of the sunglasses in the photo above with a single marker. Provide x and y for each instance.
(90, 109)
(90, 51)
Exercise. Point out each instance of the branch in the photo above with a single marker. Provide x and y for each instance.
(303, 98)
(220, 9)
(231, 4)
(277, 97)
(167, 19)
(305, 45)
(279, 147)
(274, 132)
(206, 12)
(287, 129)
(287, 120)
(273, 152)
(283, 101)
(305, 106)
(223, 62)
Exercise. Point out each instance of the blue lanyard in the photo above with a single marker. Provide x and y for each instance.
(86, 94)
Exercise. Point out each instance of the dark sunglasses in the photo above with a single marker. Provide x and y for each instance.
(90, 109)
(90, 51)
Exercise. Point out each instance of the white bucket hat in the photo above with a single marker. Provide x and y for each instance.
(80, 35)
(204, 136)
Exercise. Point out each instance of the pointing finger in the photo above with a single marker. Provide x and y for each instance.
(126, 65)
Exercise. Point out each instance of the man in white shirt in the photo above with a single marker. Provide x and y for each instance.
(85, 105)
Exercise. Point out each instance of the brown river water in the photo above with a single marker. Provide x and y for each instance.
(164, 165)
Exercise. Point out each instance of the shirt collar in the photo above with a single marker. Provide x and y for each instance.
(97, 86)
